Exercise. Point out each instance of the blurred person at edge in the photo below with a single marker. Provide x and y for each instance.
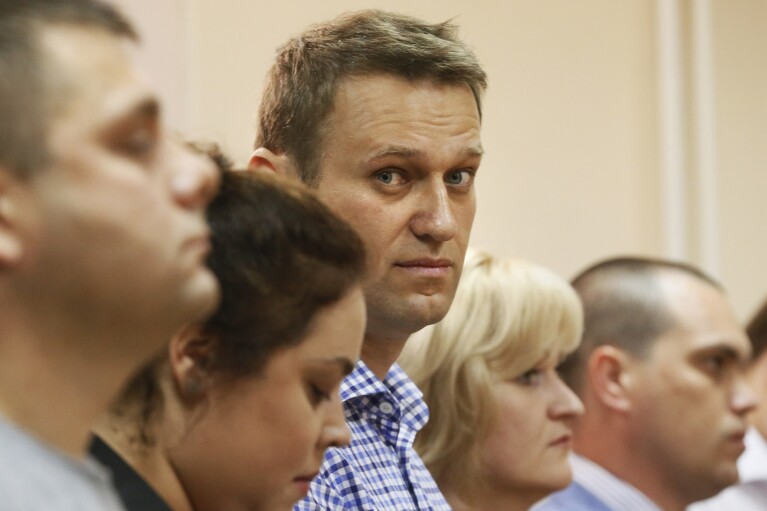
(661, 374)
(102, 242)
(380, 113)
(238, 412)
(751, 492)
(501, 417)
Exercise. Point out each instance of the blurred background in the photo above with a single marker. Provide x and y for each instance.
(610, 126)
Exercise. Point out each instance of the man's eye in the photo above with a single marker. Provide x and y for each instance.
(459, 177)
(139, 144)
(389, 177)
(715, 363)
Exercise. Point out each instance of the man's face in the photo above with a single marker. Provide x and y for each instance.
(398, 162)
(113, 226)
(691, 400)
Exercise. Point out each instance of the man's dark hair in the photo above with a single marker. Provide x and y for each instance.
(301, 85)
(757, 331)
(26, 77)
(624, 306)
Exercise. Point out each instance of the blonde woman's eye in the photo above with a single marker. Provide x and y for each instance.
(530, 378)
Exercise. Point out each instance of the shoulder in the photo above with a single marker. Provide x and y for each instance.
(35, 476)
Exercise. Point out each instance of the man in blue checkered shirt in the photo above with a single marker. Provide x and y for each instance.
(380, 114)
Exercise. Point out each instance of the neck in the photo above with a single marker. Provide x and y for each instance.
(59, 374)
(615, 454)
(153, 467)
(379, 354)
(492, 501)
(54, 390)
(150, 460)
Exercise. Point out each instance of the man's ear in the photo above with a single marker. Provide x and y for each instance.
(11, 246)
(610, 377)
(190, 353)
(264, 160)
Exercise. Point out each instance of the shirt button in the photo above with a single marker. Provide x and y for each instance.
(386, 407)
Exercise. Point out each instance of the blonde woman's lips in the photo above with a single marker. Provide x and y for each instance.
(563, 441)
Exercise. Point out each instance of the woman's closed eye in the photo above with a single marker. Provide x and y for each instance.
(318, 394)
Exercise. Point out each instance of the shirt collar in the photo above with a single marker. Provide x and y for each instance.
(362, 383)
(752, 464)
(614, 492)
(85, 466)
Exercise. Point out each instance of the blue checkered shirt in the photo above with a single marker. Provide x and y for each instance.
(379, 470)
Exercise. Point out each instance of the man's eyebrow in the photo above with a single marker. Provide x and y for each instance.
(409, 152)
(148, 107)
(475, 151)
(143, 108)
(396, 150)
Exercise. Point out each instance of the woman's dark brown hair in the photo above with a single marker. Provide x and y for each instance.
(280, 256)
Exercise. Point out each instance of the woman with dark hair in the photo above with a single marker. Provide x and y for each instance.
(239, 411)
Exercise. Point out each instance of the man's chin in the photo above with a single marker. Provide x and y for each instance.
(427, 310)
(202, 295)
(399, 314)
(726, 475)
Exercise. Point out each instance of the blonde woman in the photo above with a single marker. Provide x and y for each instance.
(499, 432)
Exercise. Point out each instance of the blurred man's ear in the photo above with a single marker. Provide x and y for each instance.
(264, 160)
(10, 208)
(190, 353)
(610, 378)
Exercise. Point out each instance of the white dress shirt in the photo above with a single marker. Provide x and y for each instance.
(614, 492)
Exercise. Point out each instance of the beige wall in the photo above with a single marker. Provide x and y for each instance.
(572, 118)
(741, 106)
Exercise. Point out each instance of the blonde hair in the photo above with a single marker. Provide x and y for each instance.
(506, 317)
